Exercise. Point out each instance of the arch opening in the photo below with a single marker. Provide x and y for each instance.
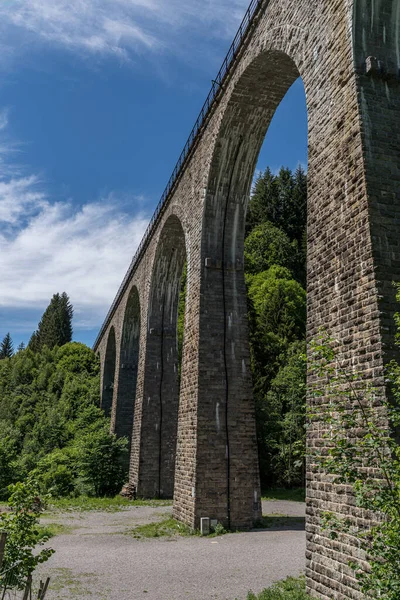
(109, 374)
(128, 369)
(160, 418)
(250, 110)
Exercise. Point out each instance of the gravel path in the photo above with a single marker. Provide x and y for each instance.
(98, 559)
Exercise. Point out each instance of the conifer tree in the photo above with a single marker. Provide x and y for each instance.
(6, 347)
(34, 342)
(55, 326)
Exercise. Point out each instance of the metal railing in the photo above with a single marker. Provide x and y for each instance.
(249, 17)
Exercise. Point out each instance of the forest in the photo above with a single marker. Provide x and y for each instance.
(51, 426)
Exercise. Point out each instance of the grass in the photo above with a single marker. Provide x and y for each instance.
(166, 528)
(85, 503)
(295, 495)
(289, 589)
(65, 583)
(53, 529)
(170, 527)
(279, 521)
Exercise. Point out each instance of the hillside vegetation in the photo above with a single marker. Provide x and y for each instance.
(51, 426)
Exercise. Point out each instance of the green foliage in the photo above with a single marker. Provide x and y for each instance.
(294, 494)
(100, 461)
(51, 424)
(289, 589)
(6, 347)
(89, 503)
(280, 199)
(268, 245)
(275, 277)
(55, 326)
(279, 302)
(21, 525)
(363, 456)
(168, 527)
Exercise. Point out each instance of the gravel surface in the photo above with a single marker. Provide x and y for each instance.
(98, 559)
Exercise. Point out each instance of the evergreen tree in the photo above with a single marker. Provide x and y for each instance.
(21, 347)
(281, 200)
(6, 347)
(275, 266)
(34, 342)
(55, 326)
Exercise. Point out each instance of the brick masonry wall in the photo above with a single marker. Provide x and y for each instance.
(353, 254)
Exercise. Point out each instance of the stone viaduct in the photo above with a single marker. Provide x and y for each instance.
(195, 439)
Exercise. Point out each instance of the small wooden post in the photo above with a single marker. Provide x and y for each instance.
(27, 587)
(43, 589)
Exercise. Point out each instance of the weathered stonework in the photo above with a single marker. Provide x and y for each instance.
(347, 53)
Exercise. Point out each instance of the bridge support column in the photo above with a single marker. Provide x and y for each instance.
(217, 473)
(153, 458)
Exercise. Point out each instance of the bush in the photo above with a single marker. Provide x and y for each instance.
(100, 462)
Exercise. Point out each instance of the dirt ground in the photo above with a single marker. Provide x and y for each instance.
(98, 557)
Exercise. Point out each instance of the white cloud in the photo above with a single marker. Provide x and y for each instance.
(119, 27)
(48, 247)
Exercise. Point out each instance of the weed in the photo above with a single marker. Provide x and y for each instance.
(166, 528)
(219, 529)
(289, 589)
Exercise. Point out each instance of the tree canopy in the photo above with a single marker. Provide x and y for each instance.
(275, 266)
(55, 326)
(51, 424)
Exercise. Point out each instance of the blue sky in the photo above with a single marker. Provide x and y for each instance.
(97, 98)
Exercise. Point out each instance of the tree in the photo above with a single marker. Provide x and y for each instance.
(23, 536)
(21, 347)
(282, 200)
(55, 326)
(268, 245)
(6, 347)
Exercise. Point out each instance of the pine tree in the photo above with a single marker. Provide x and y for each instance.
(6, 347)
(34, 342)
(55, 326)
(21, 347)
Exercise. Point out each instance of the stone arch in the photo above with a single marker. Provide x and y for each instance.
(160, 408)
(248, 114)
(128, 367)
(109, 374)
(227, 465)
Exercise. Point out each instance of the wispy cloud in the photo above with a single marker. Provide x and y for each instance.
(48, 247)
(119, 27)
(3, 119)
